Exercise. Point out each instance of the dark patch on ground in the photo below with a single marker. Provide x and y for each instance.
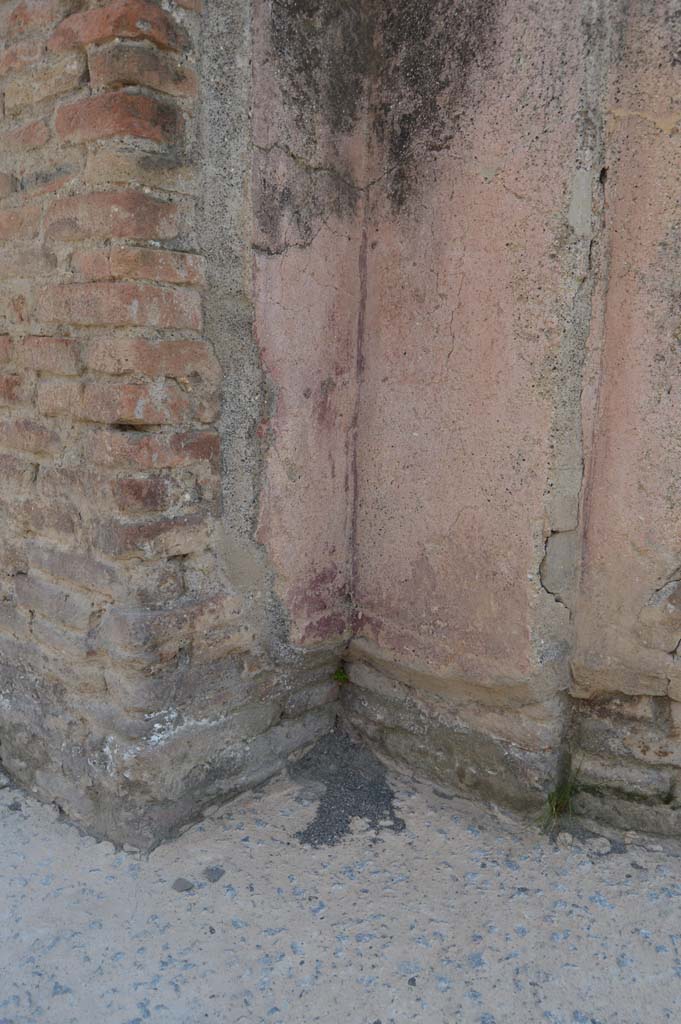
(355, 786)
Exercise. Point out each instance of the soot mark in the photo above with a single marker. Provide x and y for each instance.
(428, 51)
(325, 49)
(355, 786)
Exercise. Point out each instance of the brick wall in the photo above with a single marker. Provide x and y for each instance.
(120, 632)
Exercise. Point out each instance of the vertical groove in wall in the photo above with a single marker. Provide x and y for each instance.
(559, 569)
(359, 367)
(592, 383)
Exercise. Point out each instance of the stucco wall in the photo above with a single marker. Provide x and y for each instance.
(339, 332)
(517, 536)
(469, 446)
(626, 667)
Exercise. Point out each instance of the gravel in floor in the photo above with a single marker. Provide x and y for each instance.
(406, 905)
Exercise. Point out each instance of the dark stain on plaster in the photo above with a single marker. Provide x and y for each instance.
(407, 64)
(355, 785)
(324, 49)
(293, 199)
(428, 52)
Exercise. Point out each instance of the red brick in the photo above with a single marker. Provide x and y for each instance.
(179, 359)
(167, 170)
(13, 556)
(163, 537)
(159, 631)
(59, 397)
(51, 355)
(17, 474)
(153, 451)
(43, 517)
(44, 81)
(160, 265)
(125, 19)
(116, 115)
(14, 389)
(53, 602)
(14, 301)
(32, 16)
(128, 64)
(153, 585)
(19, 224)
(13, 620)
(111, 215)
(28, 436)
(6, 185)
(49, 180)
(63, 482)
(117, 402)
(21, 261)
(23, 55)
(28, 136)
(78, 569)
(140, 629)
(68, 654)
(119, 304)
(141, 494)
(5, 348)
(92, 264)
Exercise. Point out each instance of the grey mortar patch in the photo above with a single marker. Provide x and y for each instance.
(355, 785)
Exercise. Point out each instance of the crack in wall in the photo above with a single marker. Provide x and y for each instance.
(359, 369)
(557, 569)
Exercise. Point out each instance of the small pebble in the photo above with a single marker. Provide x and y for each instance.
(182, 885)
(599, 845)
(214, 874)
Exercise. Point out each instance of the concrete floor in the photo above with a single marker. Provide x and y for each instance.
(451, 912)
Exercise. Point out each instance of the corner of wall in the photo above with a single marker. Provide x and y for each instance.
(135, 688)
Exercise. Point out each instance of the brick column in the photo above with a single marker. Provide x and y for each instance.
(119, 628)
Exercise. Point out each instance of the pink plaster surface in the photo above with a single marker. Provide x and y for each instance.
(307, 342)
(467, 296)
(425, 433)
(306, 298)
(631, 514)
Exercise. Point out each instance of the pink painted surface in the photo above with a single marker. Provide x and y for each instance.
(469, 290)
(307, 342)
(632, 532)
(436, 389)
(306, 296)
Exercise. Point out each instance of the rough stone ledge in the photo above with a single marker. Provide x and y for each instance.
(138, 791)
(424, 733)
